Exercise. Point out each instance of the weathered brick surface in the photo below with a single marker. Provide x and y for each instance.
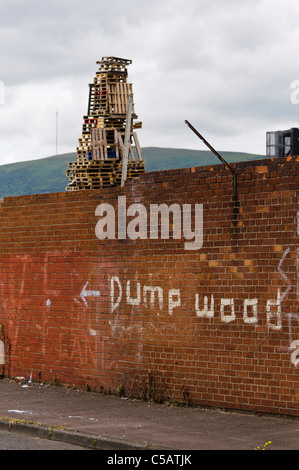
(222, 327)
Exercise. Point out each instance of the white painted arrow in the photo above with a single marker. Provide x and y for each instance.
(88, 293)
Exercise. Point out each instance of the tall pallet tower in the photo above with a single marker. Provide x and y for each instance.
(108, 141)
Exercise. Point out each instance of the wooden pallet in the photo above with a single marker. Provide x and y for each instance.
(101, 147)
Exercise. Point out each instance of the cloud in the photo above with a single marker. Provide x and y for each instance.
(227, 67)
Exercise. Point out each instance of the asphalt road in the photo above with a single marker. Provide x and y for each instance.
(18, 441)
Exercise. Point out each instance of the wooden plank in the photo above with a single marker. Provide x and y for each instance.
(137, 145)
(121, 144)
(127, 140)
(105, 143)
(94, 144)
(131, 152)
(116, 144)
(101, 144)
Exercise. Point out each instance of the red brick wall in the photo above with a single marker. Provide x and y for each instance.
(240, 354)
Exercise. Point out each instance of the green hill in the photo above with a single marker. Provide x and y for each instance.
(157, 158)
(47, 175)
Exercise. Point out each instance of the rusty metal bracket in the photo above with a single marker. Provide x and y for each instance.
(228, 166)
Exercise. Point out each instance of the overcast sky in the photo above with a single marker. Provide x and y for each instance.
(227, 66)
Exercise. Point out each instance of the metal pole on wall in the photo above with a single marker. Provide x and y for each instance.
(228, 166)
(127, 140)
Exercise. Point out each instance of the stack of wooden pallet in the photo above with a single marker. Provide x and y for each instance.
(101, 148)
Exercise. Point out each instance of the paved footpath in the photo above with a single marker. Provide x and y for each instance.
(108, 422)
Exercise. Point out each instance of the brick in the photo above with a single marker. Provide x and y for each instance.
(204, 321)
